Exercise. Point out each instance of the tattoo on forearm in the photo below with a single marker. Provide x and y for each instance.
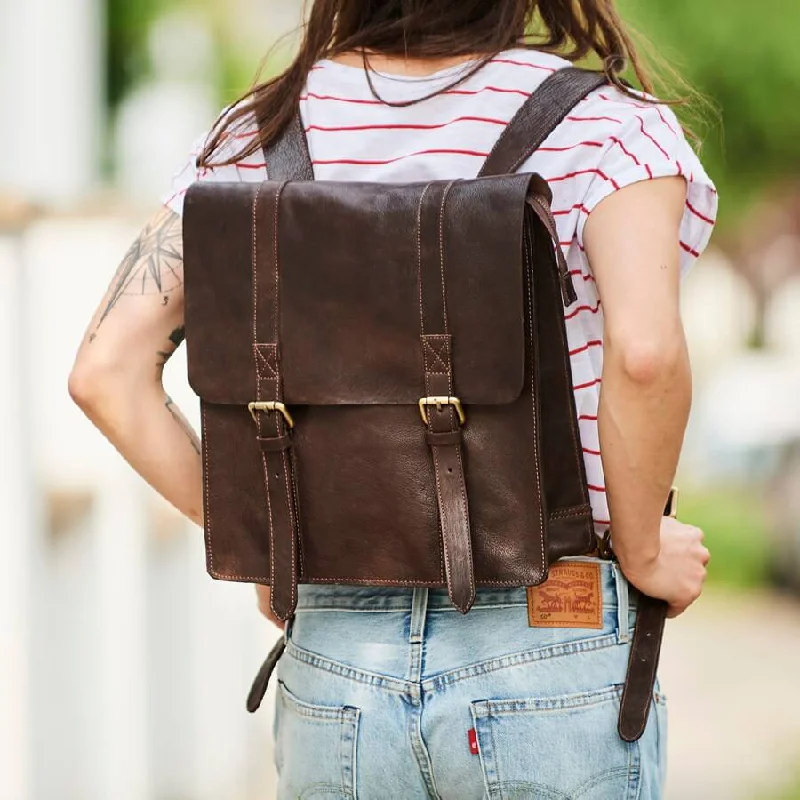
(185, 426)
(153, 265)
(176, 339)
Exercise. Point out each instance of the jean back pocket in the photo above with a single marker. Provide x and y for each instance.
(315, 748)
(554, 748)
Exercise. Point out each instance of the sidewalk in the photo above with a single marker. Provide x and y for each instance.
(731, 672)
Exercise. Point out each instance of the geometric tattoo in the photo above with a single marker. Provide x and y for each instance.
(152, 265)
(187, 428)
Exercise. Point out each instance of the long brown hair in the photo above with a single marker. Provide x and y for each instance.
(431, 29)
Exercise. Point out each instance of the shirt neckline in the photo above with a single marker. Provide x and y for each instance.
(433, 77)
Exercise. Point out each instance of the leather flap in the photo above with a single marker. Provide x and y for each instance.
(348, 269)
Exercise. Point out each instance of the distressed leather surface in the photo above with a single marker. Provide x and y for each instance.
(349, 302)
(359, 491)
(349, 260)
(354, 368)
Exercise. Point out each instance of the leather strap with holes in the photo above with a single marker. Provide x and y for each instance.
(444, 427)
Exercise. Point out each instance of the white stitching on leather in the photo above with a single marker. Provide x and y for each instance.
(529, 286)
(289, 493)
(278, 193)
(437, 356)
(206, 492)
(466, 517)
(441, 257)
(255, 262)
(419, 256)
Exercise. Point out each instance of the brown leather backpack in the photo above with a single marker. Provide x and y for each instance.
(384, 375)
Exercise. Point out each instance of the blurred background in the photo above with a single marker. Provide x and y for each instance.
(123, 668)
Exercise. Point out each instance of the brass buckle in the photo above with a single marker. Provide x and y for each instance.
(254, 408)
(439, 402)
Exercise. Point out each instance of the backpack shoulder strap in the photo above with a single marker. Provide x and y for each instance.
(539, 116)
(287, 156)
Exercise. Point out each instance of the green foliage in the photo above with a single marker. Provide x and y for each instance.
(127, 25)
(734, 523)
(791, 793)
(240, 71)
(746, 60)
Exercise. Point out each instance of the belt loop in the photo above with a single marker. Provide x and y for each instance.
(623, 603)
(419, 608)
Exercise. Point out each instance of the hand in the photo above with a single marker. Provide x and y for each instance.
(264, 606)
(677, 573)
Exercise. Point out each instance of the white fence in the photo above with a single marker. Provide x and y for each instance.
(123, 667)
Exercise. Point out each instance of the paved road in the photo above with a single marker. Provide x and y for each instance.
(731, 673)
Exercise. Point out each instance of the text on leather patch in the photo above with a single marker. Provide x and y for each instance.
(570, 598)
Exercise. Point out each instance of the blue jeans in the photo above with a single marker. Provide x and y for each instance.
(392, 694)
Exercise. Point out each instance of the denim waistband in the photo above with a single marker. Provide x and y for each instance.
(350, 597)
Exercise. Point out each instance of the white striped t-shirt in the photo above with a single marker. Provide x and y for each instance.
(607, 142)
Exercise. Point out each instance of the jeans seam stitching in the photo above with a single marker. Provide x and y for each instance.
(516, 659)
(389, 683)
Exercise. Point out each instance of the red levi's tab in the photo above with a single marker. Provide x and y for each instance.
(473, 741)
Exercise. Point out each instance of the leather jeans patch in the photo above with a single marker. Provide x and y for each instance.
(569, 598)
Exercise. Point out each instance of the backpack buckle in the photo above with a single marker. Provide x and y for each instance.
(439, 402)
(254, 408)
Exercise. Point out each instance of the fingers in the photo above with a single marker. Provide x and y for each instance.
(675, 611)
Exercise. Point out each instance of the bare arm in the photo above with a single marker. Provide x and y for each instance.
(117, 376)
(632, 244)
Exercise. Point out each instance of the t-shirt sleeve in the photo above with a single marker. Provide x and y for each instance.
(649, 143)
(248, 168)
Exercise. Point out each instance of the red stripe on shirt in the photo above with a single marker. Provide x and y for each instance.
(579, 309)
(587, 418)
(596, 488)
(497, 89)
(587, 385)
(569, 147)
(370, 163)
(690, 250)
(631, 155)
(592, 343)
(591, 452)
(305, 97)
(651, 137)
(175, 196)
(664, 120)
(573, 118)
(406, 127)
(565, 211)
(468, 92)
(570, 175)
(698, 214)
(578, 272)
(631, 102)
(521, 64)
